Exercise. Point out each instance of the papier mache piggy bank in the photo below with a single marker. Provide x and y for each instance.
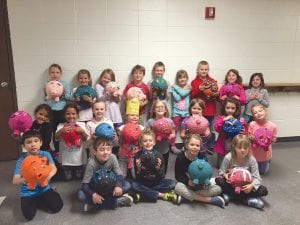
(238, 177)
(232, 127)
(104, 130)
(263, 137)
(210, 90)
(200, 172)
(130, 134)
(162, 129)
(54, 90)
(113, 89)
(19, 122)
(71, 138)
(85, 90)
(159, 88)
(135, 92)
(35, 170)
(103, 181)
(232, 89)
(197, 125)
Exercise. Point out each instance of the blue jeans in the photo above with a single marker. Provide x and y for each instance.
(151, 193)
(263, 167)
(109, 201)
(211, 141)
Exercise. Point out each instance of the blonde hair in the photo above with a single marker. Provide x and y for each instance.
(202, 63)
(189, 138)
(84, 71)
(152, 113)
(146, 132)
(239, 141)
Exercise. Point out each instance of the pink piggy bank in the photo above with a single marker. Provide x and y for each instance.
(198, 125)
(54, 90)
(19, 122)
(238, 177)
(162, 129)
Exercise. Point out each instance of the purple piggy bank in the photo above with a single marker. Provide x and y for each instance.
(19, 122)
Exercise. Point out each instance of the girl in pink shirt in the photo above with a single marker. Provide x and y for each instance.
(262, 133)
(230, 109)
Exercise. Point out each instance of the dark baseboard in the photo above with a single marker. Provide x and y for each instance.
(285, 139)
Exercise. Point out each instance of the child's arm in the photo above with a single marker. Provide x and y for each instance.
(60, 131)
(82, 132)
(264, 98)
(219, 122)
(242, 97)
(195, 92)
(180, 173)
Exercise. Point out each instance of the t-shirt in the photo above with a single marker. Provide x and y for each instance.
(24, 191)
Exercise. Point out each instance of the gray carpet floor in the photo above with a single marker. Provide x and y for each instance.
(282, 204)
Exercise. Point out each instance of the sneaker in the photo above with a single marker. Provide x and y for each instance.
(171, 196)
(255, 203)
(124, 200)
(179, 199)
(136, 197)
(218, 201)
(175, 150)
(226, 198)
(87, 207)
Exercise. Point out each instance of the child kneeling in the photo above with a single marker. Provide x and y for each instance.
(185, 186)
(150, 183)
(103, 159)
(43, 195)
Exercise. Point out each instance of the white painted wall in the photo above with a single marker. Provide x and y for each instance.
(251, 36)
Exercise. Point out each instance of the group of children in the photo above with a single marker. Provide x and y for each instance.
(156, 138)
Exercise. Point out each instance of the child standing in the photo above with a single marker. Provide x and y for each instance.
(112, 102)
(240, 157)
(55, 73)
(185, 186)
(103, 158)
(180, 102)
(262, 155)
(233, 87)
(137, 75)
(197, 106)
(149, 168)
(85, 101)
(230, 109)
(72, 157)
(199, 85)
(32, 142)
(42, 124)
(255, 94)
(98, 108)
(160, 112)
(129, 148)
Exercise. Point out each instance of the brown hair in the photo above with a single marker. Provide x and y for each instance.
(84, 71)
(179, 74)
(55, 65)
(145, 132)
(152, 113)
(237, 113)
(47, 108)
(108, 71)
(262, 81)
(158, 64)
(100, 140)
(189, 137)
(239, 141)
(239, 79)
(138, 68)
(195, 101)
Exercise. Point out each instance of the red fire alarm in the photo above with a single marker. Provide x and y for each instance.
(210, 12)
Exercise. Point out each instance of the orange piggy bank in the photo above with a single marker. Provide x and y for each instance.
(35, 169)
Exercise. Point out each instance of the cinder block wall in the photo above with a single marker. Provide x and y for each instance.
(251, 36)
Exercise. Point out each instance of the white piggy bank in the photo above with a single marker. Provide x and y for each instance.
(54, 90)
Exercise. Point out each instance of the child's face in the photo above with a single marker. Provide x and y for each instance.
(106, 78)
(148, 142)
(71, 115)
(256, 81)
(32, 145)
(159, 71)
(182, 81)
(202, 70)
(160, 109)
(137, 76)
(259, 113)
(241, 152)
(54, 73)
(193, 147)
(231, 77)
(103, 152)
(84, 79)
(230, 108)
(41, 116)
(99, 110)
(196, 110)
(133, 118)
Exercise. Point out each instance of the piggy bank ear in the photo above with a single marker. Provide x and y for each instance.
(196, 181)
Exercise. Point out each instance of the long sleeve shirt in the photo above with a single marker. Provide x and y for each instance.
(263, 99)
